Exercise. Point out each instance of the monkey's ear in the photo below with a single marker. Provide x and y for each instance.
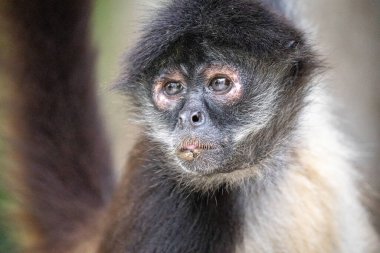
(292, 45)
(296, 64)
(304, 63)
(301, 71)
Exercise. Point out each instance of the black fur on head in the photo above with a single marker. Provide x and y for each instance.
(271, 62)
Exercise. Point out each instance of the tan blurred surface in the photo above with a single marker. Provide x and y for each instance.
(349, 34)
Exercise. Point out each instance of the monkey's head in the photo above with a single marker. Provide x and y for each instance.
(219, 86)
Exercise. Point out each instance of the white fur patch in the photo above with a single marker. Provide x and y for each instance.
(315, 207)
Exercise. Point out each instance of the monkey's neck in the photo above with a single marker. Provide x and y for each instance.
(301, 212)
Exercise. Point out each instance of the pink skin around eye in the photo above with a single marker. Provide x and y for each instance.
(162, 101)
(236, 91)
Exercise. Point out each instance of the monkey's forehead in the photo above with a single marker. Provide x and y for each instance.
(234, 24)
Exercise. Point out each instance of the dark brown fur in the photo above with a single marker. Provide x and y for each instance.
(151, 214)
(59, 142)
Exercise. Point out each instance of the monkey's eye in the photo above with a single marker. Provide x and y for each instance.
(173, 88)
(220, 85)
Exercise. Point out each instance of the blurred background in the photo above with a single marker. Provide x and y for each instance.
(347, 33)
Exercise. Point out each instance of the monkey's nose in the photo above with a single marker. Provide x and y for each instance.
(193, 118)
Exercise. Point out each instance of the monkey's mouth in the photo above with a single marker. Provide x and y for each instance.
(190, 149)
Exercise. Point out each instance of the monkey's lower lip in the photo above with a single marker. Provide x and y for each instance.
(189, 154)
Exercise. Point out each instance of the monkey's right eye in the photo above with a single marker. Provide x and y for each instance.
(220, 85)
(173, 88)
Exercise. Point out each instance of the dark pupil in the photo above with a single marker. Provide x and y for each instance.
(220, 84)
(173, 88)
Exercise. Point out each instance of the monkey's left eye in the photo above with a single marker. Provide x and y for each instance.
(220, 85)
(173, 88)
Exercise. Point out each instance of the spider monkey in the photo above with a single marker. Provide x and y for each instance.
(236, 153)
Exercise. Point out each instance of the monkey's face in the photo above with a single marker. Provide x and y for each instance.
(221, 92)
(198, 105)
(215, 110)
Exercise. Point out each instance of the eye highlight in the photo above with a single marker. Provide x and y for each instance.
(173, 88)
(220, 85)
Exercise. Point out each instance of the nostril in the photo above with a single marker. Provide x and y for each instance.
(188, 118)
(197, 118)
(181, 121)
